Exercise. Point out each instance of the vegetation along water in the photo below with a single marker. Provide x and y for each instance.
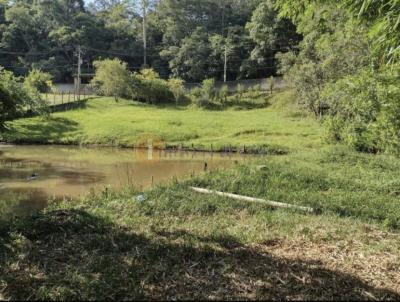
(96, 189)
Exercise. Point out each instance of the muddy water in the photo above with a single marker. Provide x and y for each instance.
(30, 175)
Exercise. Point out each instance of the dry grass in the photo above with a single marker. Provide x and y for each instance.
(104, 249)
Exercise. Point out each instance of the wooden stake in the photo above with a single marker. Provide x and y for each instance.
(270, 203)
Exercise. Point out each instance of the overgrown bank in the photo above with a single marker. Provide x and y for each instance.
(177, 244)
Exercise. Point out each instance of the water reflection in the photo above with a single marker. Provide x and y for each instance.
(35, 173)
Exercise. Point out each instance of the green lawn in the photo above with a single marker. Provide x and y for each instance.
(59, 99)
(177, 244)
(126, 123)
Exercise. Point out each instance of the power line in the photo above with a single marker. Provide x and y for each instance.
(116, 53)
(112, 52)
(37, 53)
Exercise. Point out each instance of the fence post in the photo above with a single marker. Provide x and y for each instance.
(69, 96)
(62, 97)
(54, 98)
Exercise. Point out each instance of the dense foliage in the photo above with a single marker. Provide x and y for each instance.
(38, 80)
(16, 98)
(111, 78)
(340, 70)
(365, 110)
(185, 38)
(147, 86)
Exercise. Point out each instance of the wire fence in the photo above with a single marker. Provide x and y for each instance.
(63, 95)
(264, 84)
(66, 93)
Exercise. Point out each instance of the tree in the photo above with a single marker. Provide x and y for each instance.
(190, 60)
(177, 87)
(383, 19)
(234, 50)
(271, 34)
(45, 34)
(222, 50)
(112, 78)
(38, 80)
(147, 86)
(15, 98)
(334, 45)
(207, 25)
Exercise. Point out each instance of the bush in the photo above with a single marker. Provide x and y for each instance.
(327, 54)
(223, 93)
(240, 90)
(178, 90)
(15, 98)
(364, 110)
(146, 86)
(208, 88)
(41, 81)
(196, 92)
(256, 88)
(204, 96)
(112, 78)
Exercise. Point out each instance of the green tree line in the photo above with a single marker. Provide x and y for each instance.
(189, 39)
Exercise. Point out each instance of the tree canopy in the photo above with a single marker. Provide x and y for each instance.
(185, 38)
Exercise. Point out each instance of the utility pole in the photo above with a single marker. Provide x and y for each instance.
(79, 72)
(225, 61)
(144, 7)
(224, 7)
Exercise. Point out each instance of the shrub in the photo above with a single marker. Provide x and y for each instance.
(223, 93)
(208, 88)
(178, 90)
(240, 90)
(147, 86)
(196, 92)
(41, 81)
(15, 98)
(112, 78)
(204, 96)
(364, 110)
(256, 88)
(327, 54)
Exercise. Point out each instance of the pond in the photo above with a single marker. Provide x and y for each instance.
(30, 175)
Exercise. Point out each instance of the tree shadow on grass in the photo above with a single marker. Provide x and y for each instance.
(49, 128)
(72, 254)
(69, 106)
(169, 106)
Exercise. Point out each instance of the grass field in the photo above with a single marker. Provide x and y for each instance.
(133, 124)
(177, 244)
(63, 98)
